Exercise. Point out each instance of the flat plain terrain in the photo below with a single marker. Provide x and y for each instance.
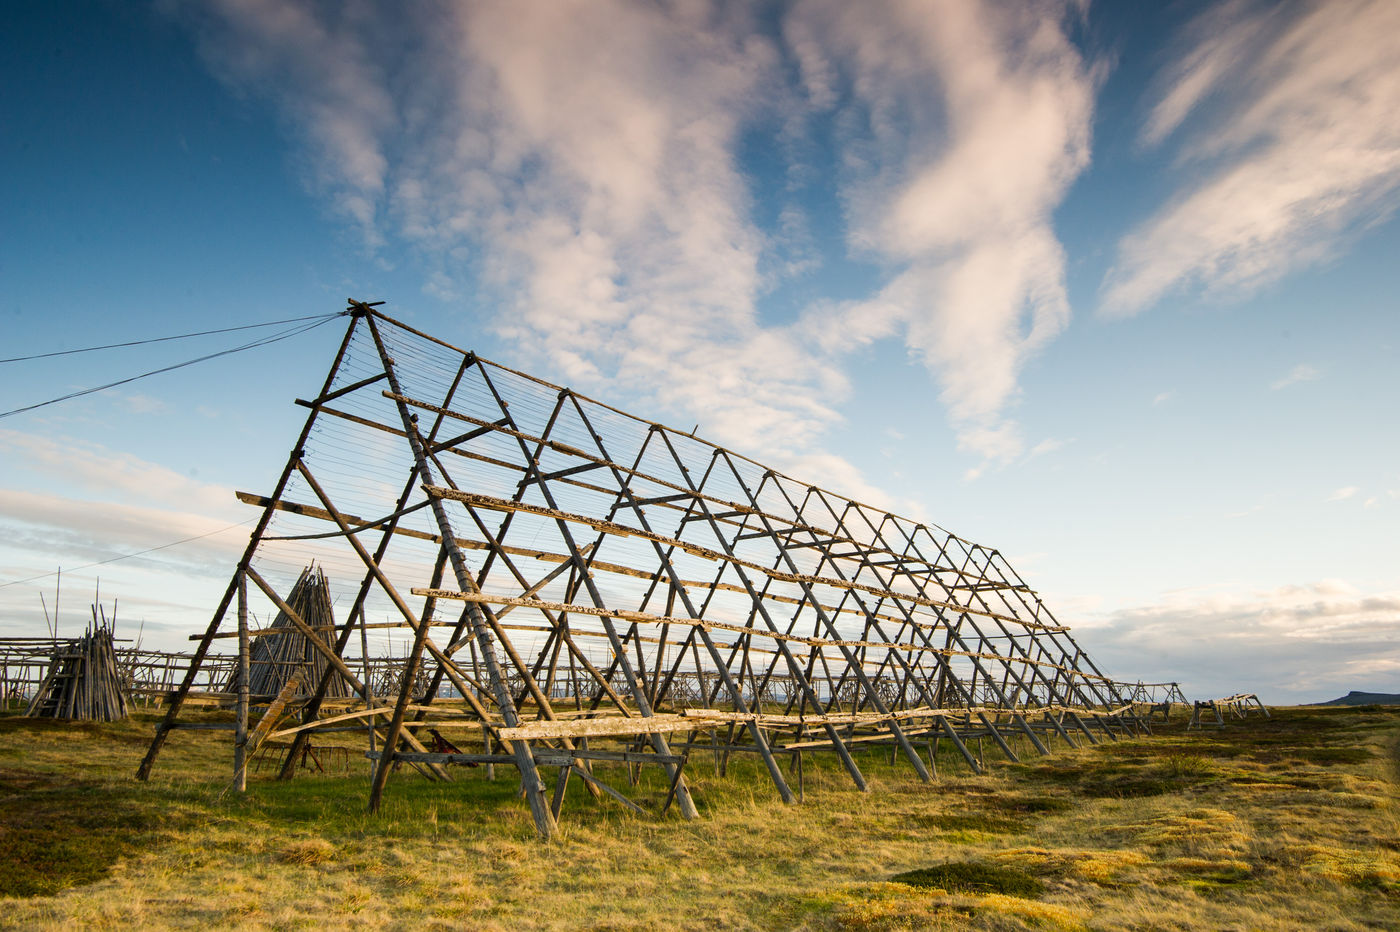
(1286, 823)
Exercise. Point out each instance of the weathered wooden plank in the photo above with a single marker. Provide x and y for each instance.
(598, 727)
(544, 757)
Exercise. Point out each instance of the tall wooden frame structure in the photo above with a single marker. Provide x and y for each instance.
(577, 585)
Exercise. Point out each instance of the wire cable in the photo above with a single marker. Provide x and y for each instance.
(265, 341)
(181, 336)
(128, 556)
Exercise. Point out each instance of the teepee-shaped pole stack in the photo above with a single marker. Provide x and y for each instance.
(83, 681)
(275, 657)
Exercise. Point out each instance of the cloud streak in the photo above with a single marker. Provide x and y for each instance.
(1299, 373)
(1285, 121)
(1313, 642)
(83, 465)
(171, 590)
(263, 46)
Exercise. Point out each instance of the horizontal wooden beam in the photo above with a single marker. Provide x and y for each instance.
(604, 526)
(544, 757)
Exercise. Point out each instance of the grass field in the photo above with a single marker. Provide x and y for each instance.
(1287, 823)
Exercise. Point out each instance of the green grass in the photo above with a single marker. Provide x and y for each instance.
(1286, 823)
(59, 834)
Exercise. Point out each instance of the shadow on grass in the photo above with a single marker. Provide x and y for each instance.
(973, 877)
(58, 833)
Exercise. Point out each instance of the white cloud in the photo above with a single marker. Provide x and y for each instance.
(1048, 445)
(582, 161)
(1299, 373)
(1162, 398)
(138, 403)
(1008, 448)
(80, 530)
(172, 589)
(979, 120)
(1343, 493)
(1320, 640)
(1288, 139)
(577, 159)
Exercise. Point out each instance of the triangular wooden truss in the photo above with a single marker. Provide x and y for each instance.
(581, 585)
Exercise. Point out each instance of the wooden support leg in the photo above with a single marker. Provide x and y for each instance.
(676, 781)
(556, 804)
(1059, 727)
(1079, 722)
(958, 743)
(395, 729)
(240, 734)
(1025, 726)
(996, 736)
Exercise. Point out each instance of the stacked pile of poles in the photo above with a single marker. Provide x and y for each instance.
(276, 657)
(82, 681)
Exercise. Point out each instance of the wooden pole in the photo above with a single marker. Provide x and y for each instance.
(240, 733)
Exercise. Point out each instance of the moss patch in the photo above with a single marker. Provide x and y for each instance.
(978, 822)
(1029, 805)
(1326, 756)
(973, 877)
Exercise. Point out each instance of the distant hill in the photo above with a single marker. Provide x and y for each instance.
(1358, 698)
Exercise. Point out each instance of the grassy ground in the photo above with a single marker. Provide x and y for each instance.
(1282, 824)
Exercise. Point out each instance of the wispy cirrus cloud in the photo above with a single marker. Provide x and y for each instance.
(1303, 372)
(159, 541)
(138, 403)
(72, 529)
(268, 46)
(1285, 116)
(586, 163)
(579, 161)
(1344, 493)
(83, 466)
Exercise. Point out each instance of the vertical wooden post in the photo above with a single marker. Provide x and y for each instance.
(407, 682)
(240, 732)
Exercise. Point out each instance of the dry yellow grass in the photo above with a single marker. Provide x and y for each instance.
(1282, 824)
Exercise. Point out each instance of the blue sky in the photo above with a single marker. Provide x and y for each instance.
(1110, 287)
